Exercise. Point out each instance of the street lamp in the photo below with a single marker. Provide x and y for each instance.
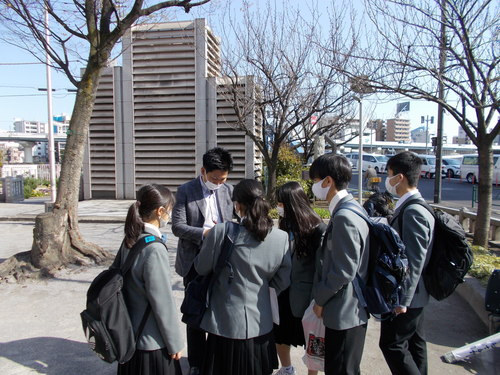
(426, 120)
(361, 86)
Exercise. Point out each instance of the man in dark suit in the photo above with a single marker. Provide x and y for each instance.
(402, 338)
(200, 204)
(345, 253)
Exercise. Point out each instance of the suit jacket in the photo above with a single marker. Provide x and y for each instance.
(303, 271)
(188, 219)
(417, 234)
(240, 306)
(149, 280)
(344, 253)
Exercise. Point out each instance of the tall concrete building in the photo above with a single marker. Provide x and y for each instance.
(398, 130)
(156, 116)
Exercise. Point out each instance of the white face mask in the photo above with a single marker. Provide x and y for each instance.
(319, 191)
(211, 185)
(163, 222)
(389, 188)
(281, 211)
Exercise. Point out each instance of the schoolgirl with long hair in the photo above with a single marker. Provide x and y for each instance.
(305, 231)
(158, 349)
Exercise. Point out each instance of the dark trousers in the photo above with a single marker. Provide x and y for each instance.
(403, 343)
(196, 338)
(343, 350)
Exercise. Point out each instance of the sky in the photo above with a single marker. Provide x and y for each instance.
(21, 76)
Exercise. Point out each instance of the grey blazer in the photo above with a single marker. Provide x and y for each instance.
(345, 253)
(303, 271)
(188, 219)
(417, 235)
(149, 280)
(240, 306)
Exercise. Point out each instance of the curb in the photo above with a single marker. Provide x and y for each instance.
(474, 294)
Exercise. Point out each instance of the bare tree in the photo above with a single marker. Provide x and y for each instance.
(414, 47)
(276, 74)
(82, 31)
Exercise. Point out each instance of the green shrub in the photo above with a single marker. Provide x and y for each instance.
(322, 212)
(484, 264)
(30, 186)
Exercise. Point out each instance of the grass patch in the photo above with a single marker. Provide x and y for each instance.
(485, 262)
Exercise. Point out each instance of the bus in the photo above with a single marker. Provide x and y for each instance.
(469, 169)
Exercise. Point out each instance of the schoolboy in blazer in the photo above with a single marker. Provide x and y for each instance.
(200, 204)
(402, 338)
(345, 254)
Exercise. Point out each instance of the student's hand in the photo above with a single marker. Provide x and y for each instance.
(400, 310)
(205, 232)
(318, 310)
(176, 356)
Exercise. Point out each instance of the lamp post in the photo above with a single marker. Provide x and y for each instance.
(361, 86)
(360, 153)
(52, 165)
(426, 120)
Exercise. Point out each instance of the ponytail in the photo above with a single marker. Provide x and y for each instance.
(149, 199)
(257, 221)
(133, 224)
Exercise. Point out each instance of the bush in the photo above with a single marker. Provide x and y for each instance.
(30, 187)
(322, 212)
(484, 264)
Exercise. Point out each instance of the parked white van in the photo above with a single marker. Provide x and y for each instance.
(469, 169)
(428, 165)
(378, 162)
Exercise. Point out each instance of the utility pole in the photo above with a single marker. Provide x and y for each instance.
(439, 145)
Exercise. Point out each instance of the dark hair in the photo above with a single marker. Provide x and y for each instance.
(149, 198)
(249, 193)
(335, 166)
(217, 159)
(380, 205)
(300, 218)
(408, 164)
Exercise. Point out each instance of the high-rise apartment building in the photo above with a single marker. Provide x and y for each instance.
(156, 116)
(22, 126)
(398, 130)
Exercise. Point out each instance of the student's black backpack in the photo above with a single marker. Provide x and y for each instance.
(451, 256)
(387, 267)
(106, 321)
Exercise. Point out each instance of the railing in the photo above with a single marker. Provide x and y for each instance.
(468, 220)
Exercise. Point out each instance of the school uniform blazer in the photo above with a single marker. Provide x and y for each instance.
(148, 280)
(344, 253)
(417, 233)
(240, 306)
(303, 270)
(188, 217)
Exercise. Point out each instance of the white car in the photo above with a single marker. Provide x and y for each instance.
(378, 162)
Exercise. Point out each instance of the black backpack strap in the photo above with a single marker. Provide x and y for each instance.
(136, 250)
(410, 202)
(231, 232)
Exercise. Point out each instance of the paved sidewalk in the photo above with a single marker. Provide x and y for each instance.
(40, 328)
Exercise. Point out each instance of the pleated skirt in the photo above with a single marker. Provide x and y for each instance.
(225, 356)
(150, 362)
(289, 331)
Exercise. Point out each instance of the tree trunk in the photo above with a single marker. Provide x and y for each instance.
(271, 183)
(485, 191)
(57, 240)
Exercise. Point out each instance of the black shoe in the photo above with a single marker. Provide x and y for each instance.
(194, 371)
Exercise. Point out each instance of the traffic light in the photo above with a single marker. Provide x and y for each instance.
(434, 141)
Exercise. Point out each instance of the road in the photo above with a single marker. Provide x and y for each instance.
(453, 191)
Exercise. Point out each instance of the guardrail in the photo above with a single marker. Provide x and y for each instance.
(468, 221)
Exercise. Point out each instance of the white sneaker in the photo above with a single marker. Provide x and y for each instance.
(282, 371)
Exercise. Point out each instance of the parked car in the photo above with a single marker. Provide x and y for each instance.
(378, 162)
(428, 165)
(451, 167)
(469, 169)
